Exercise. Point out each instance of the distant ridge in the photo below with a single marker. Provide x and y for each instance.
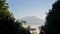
(33, 20)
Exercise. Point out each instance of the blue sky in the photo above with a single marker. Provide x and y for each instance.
(23, 8)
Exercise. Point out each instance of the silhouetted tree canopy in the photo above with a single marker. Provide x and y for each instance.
(52, 25)
(42, 28)
(20, 29)
(7, 21)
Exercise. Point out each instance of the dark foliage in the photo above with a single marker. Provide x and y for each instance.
(42, 30)
(52, 25)
(7, 21)
(20, 29)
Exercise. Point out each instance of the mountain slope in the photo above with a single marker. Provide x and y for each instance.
(32, 20)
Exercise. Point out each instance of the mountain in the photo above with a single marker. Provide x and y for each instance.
(33, 20)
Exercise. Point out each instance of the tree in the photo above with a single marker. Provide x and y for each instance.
(20, 29)
(42, 30)
(6, 19)
(52, 25)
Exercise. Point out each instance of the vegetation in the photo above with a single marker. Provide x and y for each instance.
(20, 29)
(52, 25)
(7, 21)
(8, 25)
(42, 28)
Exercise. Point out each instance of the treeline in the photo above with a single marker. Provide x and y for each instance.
(8, 25)
(52, 24)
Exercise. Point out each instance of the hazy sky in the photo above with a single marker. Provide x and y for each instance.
(23, 8)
